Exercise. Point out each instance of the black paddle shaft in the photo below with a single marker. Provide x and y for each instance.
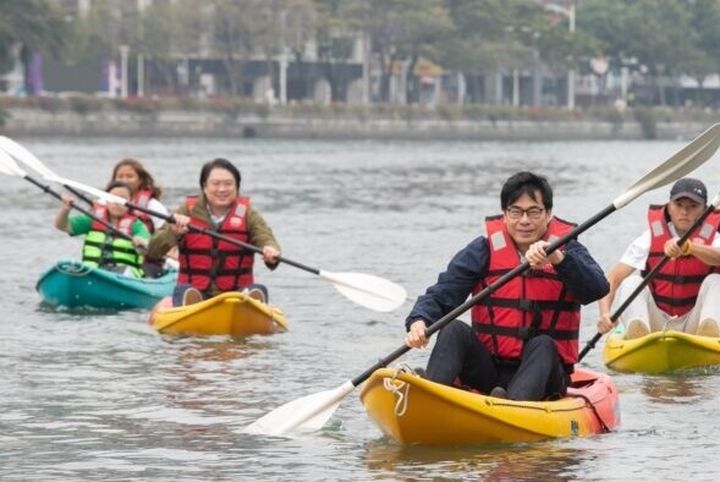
(170, 219)
(56, 195)
(79, 194)
(459, 310)
(648, 277)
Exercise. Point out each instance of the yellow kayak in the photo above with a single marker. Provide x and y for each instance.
(659, 352)
(231, 313)
(412, 410)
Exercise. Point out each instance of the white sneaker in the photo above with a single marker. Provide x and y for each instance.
(191, 296)
(708, 327)
(636, 329)
(256, 294)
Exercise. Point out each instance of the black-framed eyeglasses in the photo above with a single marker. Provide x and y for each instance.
(515, 212)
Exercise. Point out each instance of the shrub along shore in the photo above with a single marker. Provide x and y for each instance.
(227, 117)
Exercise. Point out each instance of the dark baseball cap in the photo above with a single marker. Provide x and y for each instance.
(690, 188)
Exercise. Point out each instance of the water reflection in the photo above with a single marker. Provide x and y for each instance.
(200, 407)
(386, 460)
(193, 350)
(204, 365)
(686, 386)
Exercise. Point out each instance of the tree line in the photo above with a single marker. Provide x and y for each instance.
(659, 38)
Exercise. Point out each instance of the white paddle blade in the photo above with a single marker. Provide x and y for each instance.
(367, 290)
(306, 414)
(681, 163)
(98, 193)
(23, 155)
(9, 167)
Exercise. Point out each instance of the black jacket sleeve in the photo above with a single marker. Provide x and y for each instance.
(581, 274)
(454, 285)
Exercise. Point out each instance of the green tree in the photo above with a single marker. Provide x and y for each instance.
(100, 32)
(169, 33)
(661, 39)
(236, 26)
(34, 25)
(401, 30)
(332, 35)
(657, 34)
(428, 31)
(607, 21)
(288, 25)
(511, 34)
(705, 25)
(302, 20)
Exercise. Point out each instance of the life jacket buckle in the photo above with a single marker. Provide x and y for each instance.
(527, 332)
(527, 305)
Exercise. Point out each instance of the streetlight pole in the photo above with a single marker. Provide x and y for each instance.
(141, 6)
(140, 75)
(283, 75)
(569, 12)
(124, 51)
(571, 72)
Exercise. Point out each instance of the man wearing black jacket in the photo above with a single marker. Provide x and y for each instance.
(523, 341)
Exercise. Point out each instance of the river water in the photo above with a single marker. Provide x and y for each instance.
(101, 396)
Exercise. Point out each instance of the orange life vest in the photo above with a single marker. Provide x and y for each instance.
(204, 259)
(675, 288)
(536, 302)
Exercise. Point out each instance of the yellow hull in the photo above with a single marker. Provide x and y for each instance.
(231, 313)
(660, 351)
(412, 410)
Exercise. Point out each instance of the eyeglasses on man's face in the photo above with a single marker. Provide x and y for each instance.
(514, 212)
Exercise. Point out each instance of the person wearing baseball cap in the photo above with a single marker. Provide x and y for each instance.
(685, 294)
(690, 188)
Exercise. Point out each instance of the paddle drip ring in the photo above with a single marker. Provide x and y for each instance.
(400, 389)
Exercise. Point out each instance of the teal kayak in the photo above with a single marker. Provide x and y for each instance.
(73, 284)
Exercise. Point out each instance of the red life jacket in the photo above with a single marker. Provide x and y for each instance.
(536, 302)
(142, 198)
(124, 225)
(675, 288)
(204, 259)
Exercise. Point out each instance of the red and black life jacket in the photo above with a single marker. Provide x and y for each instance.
(675, 288)
(204, 259)
(142, 198)
(534, 303)
(124, 224)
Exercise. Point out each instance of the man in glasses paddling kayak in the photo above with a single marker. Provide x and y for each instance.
(523, 340)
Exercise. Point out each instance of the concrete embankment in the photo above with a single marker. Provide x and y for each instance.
(179, 123)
